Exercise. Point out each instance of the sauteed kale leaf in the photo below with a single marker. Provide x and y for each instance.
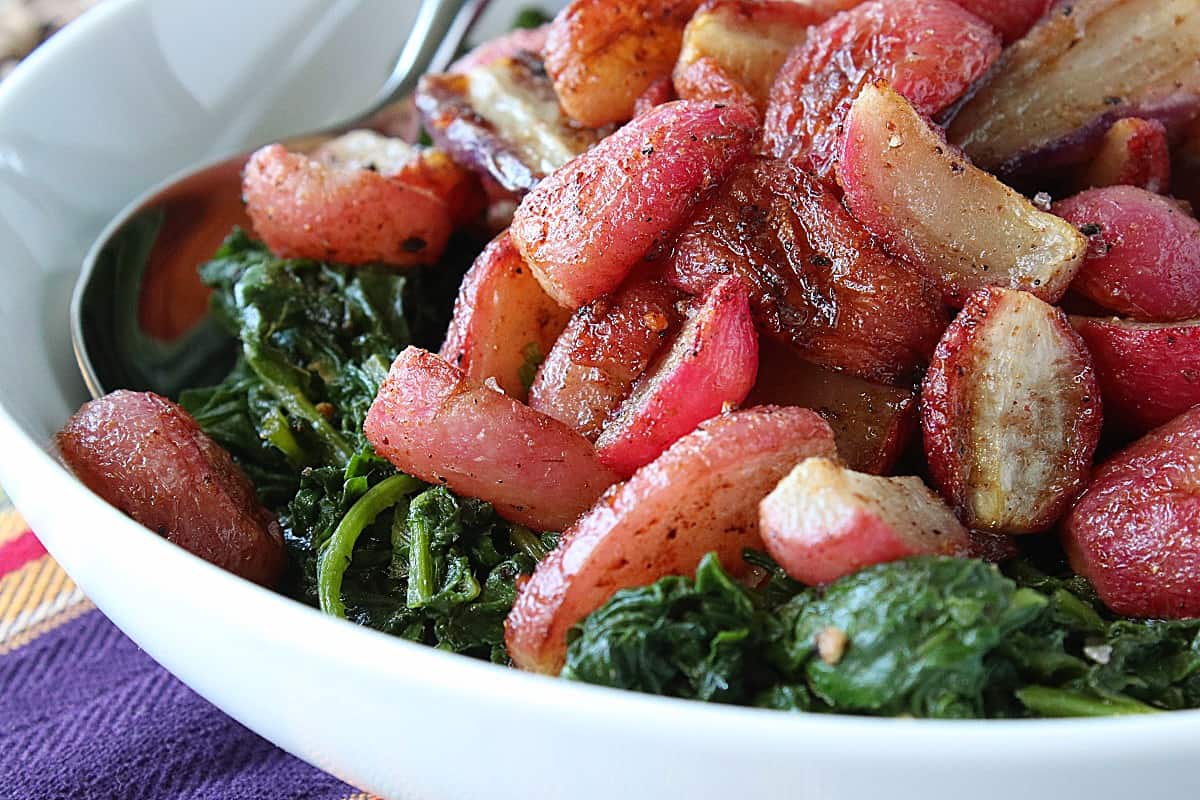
(364, 541)
(927, 637)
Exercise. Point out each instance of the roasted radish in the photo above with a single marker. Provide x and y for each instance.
(303, 208)
(603, 54)
(606, 346)
(503, 323)
(1083, 67)
(430, 421)
(1134, 152)
(1149, 373)
(1010, 412)
(930, 51)
(733, 48)
(1135, 533)
(700, 496)
(709, 367)
(586, 226)
(818, 280)
(148, 457)
(503, 119)
(1144, 254)
(931, 205)
(824, 521)
(871, 422)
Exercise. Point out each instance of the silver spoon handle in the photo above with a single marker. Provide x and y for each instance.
(439, 30)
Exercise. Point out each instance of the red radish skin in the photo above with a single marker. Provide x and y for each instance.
(705, 80)
(930, 51)
(1010, 411)
(1013, 18)
(1134, 152)
(1135, 533)
(824, 521)
(871, 422)
(302, 208)
(1144, 253)
(431, 422)
(502, 319)
(147, 457)
(1149, 373)
(929, 204)
(606, 346)
(657, 93)
(709, 367)
(818, 280)
(700, 496)
(603, 54)
(584, 228)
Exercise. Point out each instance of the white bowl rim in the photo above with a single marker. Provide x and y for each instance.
(1039, 740)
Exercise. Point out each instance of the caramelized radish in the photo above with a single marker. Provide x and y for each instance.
(710, 367)
(606, 346)
(931, 205)
(585, 227)
(1134, 152)
(1011, 413)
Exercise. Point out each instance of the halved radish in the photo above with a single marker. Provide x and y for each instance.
(710, 367)
(302, 208)
(586, 226)
(700, 496)
(430, 421)
(824, 521)
(1011, 413)
(606, 346)
(503, 323)
(1149, 373)
(932, 206)
(1054, 93)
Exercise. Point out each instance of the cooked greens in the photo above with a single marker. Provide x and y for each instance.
(927, 637)
(364, 541)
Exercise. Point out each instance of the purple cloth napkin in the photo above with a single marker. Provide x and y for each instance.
(85, 714)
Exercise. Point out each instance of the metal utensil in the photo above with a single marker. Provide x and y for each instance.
(139, 313)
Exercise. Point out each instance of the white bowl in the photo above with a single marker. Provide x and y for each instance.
(138, 90)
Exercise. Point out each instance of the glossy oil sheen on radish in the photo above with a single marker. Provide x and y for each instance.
(710, 367)
(932, 206)
(147, 457)
(1011, 413)
(584, 228)
(1055, 92)
(1149, 373)
(930, 51)
(606, 346)
(431, 422)
(1135, 533)
(502, 320)
(700, 496)
(818, 280)
(1143, 257)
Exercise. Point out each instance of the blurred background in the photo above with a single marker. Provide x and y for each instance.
(24, 24)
